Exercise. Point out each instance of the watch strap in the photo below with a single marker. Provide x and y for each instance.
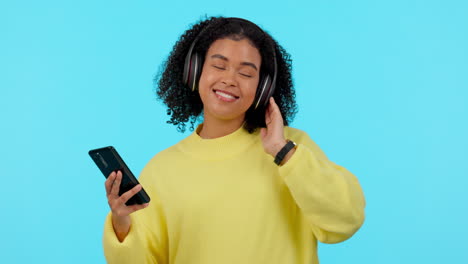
(284, 151)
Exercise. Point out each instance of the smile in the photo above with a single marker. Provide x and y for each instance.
(225, 96)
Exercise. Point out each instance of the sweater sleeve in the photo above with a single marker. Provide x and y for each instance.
(146, 241)
(329, 196)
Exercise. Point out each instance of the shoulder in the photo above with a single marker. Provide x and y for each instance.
(160, 164)
(302, 138)
(294, 132)
(165, 156)
(297, 135)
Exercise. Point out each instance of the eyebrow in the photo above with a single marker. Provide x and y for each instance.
(219, 56)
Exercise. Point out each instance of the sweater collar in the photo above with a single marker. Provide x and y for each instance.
(218, 148)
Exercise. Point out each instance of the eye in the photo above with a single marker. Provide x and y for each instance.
(246, 75)
(219, 67)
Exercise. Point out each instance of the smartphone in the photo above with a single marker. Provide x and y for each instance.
(108, 160)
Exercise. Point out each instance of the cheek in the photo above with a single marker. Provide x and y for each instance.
(251, 91)
(205, 79)
(204, 86)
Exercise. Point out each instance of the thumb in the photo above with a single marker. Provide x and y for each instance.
(263, 132)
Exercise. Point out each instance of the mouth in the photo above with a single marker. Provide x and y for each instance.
(225, 96)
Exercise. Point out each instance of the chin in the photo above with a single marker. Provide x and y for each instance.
(227, 116)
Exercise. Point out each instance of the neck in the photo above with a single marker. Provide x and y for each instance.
(215, 128)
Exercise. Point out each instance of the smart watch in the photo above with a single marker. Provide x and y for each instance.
(284, 151)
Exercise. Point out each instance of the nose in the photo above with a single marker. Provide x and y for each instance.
(229, 78)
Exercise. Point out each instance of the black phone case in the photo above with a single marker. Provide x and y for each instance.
(108, 160)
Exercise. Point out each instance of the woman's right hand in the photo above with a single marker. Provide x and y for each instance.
(120, 211)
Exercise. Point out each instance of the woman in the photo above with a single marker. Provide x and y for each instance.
(244, 187)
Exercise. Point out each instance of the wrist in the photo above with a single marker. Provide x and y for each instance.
(288, 156)
(285, 153)
(121, 225)
(277, 147)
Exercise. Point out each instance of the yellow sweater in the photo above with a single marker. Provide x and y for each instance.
(225, 201)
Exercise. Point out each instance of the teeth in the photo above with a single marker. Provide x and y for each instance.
(225, 95)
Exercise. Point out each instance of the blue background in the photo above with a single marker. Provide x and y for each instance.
(382, 87)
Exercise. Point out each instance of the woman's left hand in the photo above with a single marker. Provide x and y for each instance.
(272, 136)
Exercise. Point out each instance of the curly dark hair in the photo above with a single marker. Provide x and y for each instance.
(186, 106)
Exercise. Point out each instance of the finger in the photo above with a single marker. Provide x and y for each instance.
(268, 114)
(274, 106)
(267, 117)
(263, 132)
(116, 184)
(109, 181)
(127, 195)
(275, 114)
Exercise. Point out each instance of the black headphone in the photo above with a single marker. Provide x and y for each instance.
(194, 64)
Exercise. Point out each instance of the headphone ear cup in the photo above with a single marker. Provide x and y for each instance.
(195, 71)
(263, 90)
(270, 92)
(186, 73)
(192, 71)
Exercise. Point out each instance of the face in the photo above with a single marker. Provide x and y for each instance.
(229, 79)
